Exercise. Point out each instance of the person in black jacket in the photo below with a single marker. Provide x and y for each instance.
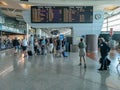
(104, 50)
(16, 44)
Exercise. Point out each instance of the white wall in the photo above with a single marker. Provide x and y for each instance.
(38, 32)
(78, 28)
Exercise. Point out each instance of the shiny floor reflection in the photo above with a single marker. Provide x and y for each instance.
(46, 72)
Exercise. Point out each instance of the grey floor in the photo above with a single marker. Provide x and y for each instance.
(46, 72)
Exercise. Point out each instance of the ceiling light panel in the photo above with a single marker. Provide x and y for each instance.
(3, 3)
(111, 7)
(25, 6)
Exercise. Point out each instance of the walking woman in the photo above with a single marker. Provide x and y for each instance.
(82, 52)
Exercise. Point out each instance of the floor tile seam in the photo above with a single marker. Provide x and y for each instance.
(52, 85)
(87, 80)
(6, 50)
(7, 69)
(115, 73)
(77, 77)
(8, 56)
(94, 82)
(57, 82)
(3, 68)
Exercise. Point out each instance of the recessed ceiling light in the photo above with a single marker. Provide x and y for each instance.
(111, 7)
(25, 6)
(3, 3)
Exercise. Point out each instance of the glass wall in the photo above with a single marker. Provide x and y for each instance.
(112, 22)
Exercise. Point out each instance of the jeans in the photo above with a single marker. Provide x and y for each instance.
(103, 62)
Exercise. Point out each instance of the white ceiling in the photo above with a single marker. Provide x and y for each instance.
(62, 30)
(14, 9)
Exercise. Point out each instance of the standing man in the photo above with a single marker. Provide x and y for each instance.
(104, 50)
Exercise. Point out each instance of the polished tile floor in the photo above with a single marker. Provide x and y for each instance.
(46, 72)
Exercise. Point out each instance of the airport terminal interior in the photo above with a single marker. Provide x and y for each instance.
(40, 45)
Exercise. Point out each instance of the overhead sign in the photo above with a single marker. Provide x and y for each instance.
(61, 37)
(62, 14)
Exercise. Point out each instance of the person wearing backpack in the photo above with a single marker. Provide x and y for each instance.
(82, 52)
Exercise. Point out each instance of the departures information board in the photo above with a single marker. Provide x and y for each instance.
(62, 14)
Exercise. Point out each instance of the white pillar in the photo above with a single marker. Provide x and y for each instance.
(38, 32)
(28, 27)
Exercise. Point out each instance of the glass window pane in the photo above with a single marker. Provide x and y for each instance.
(114, 18)
(105, 21)
(104, 29)
(113, 22)
(104, 25)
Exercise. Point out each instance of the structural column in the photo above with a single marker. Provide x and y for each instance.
(28, 27)
(92, 43)
(38, 32)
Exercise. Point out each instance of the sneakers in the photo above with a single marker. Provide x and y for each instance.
(105, 69)
(80, 64)
(102, 69)
(84, 65)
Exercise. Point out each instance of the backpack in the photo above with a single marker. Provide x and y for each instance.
(81, 45)
(43, 42)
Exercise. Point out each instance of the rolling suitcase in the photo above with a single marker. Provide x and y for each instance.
(30, 53)
(38, 51)
(108, 61)
(65, 54)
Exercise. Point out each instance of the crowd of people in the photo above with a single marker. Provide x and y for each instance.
(37, 46)
(56, 46)
(6, 43)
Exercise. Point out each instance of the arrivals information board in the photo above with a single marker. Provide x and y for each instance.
(62, 14)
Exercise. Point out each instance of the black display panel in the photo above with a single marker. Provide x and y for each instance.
(60, 14)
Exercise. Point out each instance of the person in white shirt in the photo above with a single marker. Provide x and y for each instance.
(24, 46)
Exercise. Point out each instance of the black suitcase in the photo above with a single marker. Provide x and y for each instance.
(30, 53)
(108, 61)
(38, 51)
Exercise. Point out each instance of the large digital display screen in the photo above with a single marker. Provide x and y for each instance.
(62, 14)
